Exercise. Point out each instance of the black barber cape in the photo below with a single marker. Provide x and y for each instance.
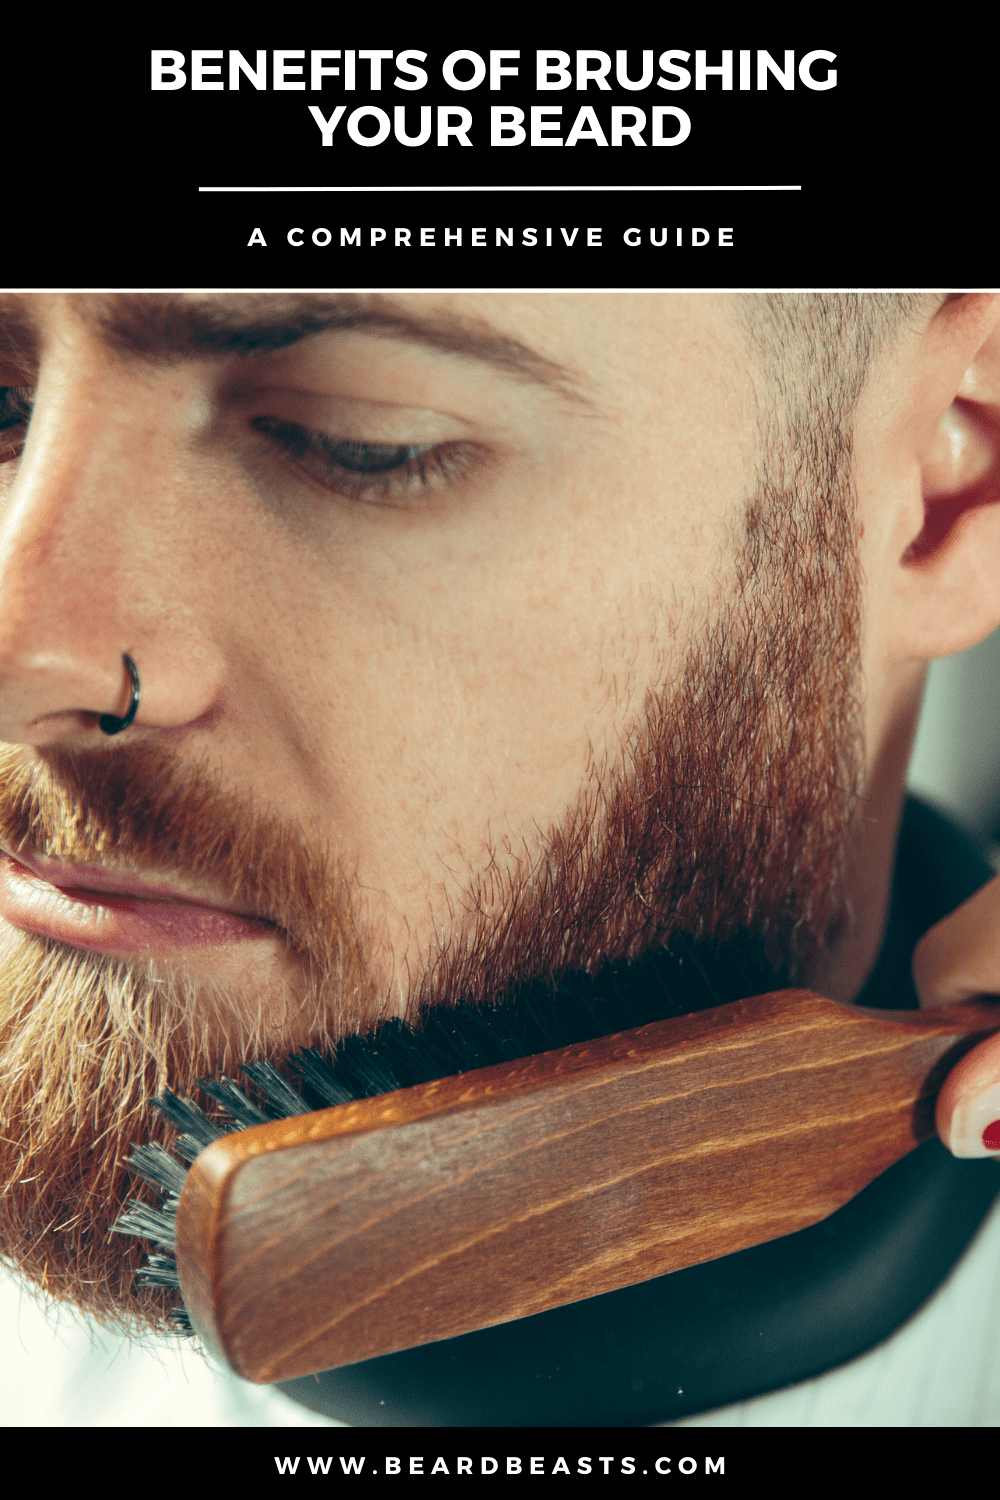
(738, 1326)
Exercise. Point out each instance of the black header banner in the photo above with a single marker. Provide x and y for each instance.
(677, 154)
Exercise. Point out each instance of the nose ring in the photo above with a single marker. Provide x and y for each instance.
(110, 723)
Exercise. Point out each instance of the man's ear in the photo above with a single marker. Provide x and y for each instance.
(945, 548)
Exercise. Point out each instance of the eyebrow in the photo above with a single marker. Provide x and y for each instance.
(163, 327)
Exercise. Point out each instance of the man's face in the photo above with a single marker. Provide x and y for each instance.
(460, 616)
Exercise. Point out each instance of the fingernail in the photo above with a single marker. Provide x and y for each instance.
(975, 1124)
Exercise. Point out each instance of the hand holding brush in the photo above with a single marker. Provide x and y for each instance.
(333, 1236)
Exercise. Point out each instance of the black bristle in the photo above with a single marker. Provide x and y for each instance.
(465, 1038)
(411, 1055)
(148, 1223)
(285, 1100)
(157, 1167)
(197, 1131)
(232, 1098)
(361, 1064)
(540, 1017)
(159, 1271)
(319, 1079)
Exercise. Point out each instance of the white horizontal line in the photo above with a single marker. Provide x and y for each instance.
(535, 291)
(613, 187)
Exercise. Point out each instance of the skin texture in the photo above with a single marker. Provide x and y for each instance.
(421, 677)
(507, 635)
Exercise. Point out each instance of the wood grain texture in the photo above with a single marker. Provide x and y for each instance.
(388, 1222)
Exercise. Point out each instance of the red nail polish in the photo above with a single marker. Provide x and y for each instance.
(991, 1136)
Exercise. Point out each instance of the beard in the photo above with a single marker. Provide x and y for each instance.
(730, 815)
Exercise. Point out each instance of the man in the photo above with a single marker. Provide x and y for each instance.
(362, 655)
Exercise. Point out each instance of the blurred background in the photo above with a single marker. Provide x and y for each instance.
(956, 758)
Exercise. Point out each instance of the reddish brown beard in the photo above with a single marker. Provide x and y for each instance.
(733, 808)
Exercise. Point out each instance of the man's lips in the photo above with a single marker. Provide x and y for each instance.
(107, 912)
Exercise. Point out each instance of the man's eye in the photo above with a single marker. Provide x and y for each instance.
(375, 458)
(386, 472)
(15, 414)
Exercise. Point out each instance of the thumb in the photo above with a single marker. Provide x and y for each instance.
(959, 958)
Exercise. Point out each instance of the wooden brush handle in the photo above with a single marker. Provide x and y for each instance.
(333, 1237)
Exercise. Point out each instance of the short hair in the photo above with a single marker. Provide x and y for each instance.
(815, 350)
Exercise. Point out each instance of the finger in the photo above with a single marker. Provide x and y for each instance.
(960, 956)
(968, 1107)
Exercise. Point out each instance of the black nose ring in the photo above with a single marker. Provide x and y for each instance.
(110, 723)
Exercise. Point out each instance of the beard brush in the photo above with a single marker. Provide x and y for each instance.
(421, 1184)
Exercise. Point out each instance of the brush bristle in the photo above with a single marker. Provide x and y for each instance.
(396, 1055)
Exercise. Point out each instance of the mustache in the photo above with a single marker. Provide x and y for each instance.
(86, 1041)
(142, 809)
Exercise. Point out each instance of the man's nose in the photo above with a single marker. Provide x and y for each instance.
(99, 560)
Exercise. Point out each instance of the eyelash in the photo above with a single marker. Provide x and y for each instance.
(383, 473)
(15, 412)
(380, 473)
